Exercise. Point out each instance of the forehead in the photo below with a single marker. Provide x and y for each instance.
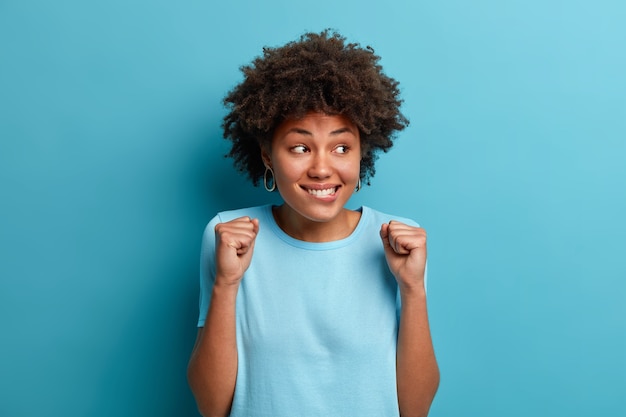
(316, 123)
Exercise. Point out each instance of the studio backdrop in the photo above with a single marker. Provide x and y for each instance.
(112, 162)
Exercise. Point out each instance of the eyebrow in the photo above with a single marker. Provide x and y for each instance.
(307, 133)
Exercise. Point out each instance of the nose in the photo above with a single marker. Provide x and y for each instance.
(321, 166)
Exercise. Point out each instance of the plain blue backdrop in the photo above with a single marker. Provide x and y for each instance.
(111, 164)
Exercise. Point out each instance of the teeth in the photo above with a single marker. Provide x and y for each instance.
(322, 193)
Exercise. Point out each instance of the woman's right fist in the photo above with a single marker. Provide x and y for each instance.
(234, 244)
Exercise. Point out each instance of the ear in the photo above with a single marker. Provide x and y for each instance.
(364, 149)
(265, 155)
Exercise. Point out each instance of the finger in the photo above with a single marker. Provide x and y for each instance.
(403, 243)
(395, 225)
(249, 243)
(405, 238)
(238, 242)
(238, 234)
(390, 242)
(242, 225)
(255, 224)
(241, 222)
(394, 229)
(384, 235)
(408, 242)
(402, 238)
(398, 243)
(250, 247)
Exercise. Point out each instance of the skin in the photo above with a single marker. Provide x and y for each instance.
(310, 155)
(316, 168)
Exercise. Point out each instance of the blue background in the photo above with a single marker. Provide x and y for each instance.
(111, 164)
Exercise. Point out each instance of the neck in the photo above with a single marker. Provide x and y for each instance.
(307, 230)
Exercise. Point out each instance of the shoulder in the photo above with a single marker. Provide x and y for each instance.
(228, 215)
(252, 212)
(379, 217)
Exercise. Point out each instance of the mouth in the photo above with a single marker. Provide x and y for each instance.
(321, 192)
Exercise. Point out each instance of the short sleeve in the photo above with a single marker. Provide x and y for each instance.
(207, 268)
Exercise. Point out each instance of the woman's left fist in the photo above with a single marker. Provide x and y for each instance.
(405, 250)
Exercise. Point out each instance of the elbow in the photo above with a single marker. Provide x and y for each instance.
(195, 384)
(418, 411)
(209, 413)
(206, 405)
(431, 391)
(435, 384)
(418, 403)
(206, 409)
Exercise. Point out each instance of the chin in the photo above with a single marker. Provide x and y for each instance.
(322, 215)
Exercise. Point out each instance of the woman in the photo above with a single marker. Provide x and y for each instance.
(309, 308)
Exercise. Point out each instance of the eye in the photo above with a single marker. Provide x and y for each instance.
(299, 149)
(342, 149)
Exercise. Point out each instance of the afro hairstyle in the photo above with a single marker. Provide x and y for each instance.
(318, 73)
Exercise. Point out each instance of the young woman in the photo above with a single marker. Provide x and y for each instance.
(309, 308)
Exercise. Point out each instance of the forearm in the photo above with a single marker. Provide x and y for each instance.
(416, 366)
(212, 371)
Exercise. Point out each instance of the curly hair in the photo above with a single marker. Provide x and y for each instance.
(321, 73)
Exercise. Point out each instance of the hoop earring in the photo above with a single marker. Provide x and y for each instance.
(358, 186)
(265, 181)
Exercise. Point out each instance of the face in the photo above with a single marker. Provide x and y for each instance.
(316, 164)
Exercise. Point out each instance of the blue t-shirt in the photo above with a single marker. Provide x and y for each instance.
(317, 323)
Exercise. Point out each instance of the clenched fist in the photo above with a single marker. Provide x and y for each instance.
(234, 244)
(405, 250)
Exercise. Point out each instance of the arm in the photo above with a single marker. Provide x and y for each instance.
(417, 372)
(212, 370)
(416, 367)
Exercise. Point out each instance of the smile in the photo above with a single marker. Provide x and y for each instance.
(322, 193)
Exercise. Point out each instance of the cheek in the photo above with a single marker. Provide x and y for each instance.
(351, 167)
(287, 172)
